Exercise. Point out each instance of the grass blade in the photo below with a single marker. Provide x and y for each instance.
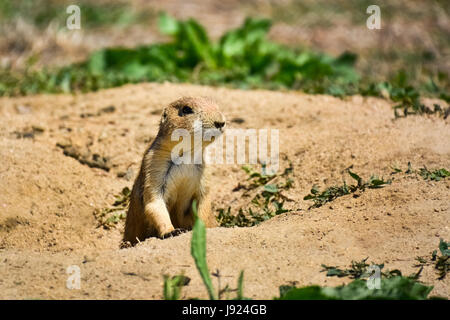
(198, 251)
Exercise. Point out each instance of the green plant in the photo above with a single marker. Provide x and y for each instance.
(243, 57)
(173, 286)
(109, 217)
(441, 262)
(361, 270)
(267, 199)
(356, 271)
(407, 96)
(198, 251)
(393, 288)
(321, 197)
(435, 175)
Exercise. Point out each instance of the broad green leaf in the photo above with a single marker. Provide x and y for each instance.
(305, 293)
(96, 62)
(167, 24)
(272, 188)
(394, 288)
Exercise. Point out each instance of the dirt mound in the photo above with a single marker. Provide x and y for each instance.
(62, 156)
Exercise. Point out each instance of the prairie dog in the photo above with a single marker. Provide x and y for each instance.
(162, 194)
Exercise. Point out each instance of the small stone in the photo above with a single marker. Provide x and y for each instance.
(64, 143)
(38, 129)
(127, 175)
(109, 109)
(238, 120)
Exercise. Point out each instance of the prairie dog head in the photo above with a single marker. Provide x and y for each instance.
(192, 114)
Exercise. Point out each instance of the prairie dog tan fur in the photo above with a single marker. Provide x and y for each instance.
(162, 195)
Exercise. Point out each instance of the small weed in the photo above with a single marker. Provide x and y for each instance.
(321, 197)
(395, 169)
(221, 291)
(409, 170)
(266, 195)
(359, 270)
(441, 262)
(226, 290)
(356, 271)
(407, 97)
(109, 217)
(435, 175)
(173, 286)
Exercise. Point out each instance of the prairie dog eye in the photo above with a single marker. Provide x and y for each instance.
(186, 110)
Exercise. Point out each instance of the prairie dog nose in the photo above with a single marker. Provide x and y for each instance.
(219, 124)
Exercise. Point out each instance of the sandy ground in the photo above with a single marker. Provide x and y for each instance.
(47, 199)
